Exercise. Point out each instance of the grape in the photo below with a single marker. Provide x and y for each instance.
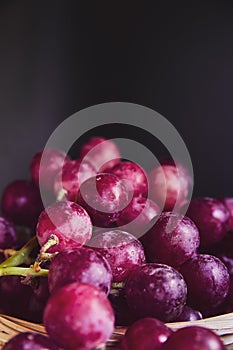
(193, 338)
(134, 177)
(21, 203)
(72, 175)
(68, 221)
(101, 153)
(170, 183)
(43, 173)
(189, 314)
(172, 240)
(103, 196)
(228, 203)
(80, 265)
(211, 218)
(141, 209)
(8, 234)
(79, 316)
(156, 290)
(145, 334)
(121, 249)
(207, 279)
(29, 340)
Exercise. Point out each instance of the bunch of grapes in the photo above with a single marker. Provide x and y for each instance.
(104, 254)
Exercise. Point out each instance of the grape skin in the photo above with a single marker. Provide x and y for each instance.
(208, 282)
(156, 290)
(145, 334)
(79, 316)
(193, 338)
(172, 239)
(80, 265)
(66, 220)
(121, 249)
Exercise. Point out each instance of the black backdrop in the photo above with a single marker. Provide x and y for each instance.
(57, 57)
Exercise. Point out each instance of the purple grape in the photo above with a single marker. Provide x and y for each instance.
(80, 265)
(8, 234)
(156, 290)
(79, 316)
(101, 153)
(208, 281)
(193, 338)
(137, 215)
(134, 177)
(210, 217)
(121, 249)
(72, 175)
(189, 314)
(172, 240)
(43, 173)
(68, 221)
(29, 340)
(21, 203)
(145, 334)
(104, 197)
(170, 184)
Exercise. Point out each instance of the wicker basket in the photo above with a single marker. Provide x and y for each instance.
(222, 325)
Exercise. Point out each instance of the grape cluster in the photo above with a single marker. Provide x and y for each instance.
(105, 254)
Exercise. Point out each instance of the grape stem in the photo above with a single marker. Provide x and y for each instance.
(22, 271)
(20, 256)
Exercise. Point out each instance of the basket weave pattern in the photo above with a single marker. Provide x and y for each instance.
(222, 325)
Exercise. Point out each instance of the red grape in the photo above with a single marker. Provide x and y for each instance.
(29, 340)
(79, 316)
(134, 177)
(193, 338)
(21, 203)
(103, 196)
(211, 218)
(80, 265)
(156, 290)
(170, 183)
(137, 215)
(145, 334)
(101, 153)
(45, 165)
(122, 250)
(68, 221)
(208, 281)
(172, 240)
(72, 175)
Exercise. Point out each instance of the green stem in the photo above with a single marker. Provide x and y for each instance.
(22, 271)
(21, 255)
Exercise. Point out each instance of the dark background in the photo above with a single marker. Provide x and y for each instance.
(57, 57)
